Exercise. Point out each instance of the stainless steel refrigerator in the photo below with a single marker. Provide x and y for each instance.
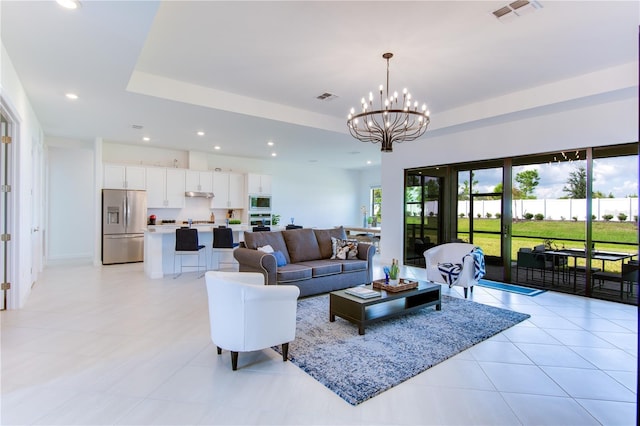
(124, 218)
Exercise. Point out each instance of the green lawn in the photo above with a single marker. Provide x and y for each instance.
(568, 234)
(621, 232)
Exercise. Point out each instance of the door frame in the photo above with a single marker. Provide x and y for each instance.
(9, 128)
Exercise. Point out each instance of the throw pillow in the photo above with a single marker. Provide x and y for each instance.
(280, 259)
(344, 249)
(266, 249)
(450, 272)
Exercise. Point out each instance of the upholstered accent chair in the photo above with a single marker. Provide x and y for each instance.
(452, 253)
(246, 315)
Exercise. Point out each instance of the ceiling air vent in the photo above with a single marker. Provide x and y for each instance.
(136, 126)
(326, 96)
(518, 7)
(502, 12)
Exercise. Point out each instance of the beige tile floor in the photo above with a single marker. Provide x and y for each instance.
(106, 345)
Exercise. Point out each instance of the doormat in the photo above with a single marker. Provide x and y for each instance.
(512, 288)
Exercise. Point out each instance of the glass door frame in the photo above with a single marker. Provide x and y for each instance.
(504, 257)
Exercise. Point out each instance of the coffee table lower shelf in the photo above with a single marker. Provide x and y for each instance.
(363, 312)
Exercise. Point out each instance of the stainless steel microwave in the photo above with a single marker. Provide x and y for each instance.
(260, 202)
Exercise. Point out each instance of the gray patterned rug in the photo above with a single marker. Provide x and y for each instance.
(360, 367)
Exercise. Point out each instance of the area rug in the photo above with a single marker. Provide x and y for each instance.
(358, 368)
(512, 288)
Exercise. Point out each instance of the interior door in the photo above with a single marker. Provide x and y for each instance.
(37, 239)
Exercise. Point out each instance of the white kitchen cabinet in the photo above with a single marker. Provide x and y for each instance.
(196, 181)
(237, 196)
(117, 176)
(165, 188)
(259, 184)
(228, 189)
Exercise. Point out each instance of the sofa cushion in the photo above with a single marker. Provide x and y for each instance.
(280, 259)
(352, 265)
(324, 239)
(294, 272)
(344, 249)
(301, 245)
(322, 268)
(253, 240)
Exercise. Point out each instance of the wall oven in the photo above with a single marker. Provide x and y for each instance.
(259, 203)
(260, 219)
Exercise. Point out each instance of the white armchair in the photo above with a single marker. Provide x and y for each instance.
(452, 253)
(246, 315)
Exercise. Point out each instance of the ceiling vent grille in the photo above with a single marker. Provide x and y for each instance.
(326, 96)
(502, 12)
(136, 126)
(515, 9)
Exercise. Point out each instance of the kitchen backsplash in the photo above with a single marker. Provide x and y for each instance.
(195, 209)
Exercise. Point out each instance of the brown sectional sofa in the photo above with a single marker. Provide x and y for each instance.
(307, 253)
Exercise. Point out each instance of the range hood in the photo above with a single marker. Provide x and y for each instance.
(199, 194)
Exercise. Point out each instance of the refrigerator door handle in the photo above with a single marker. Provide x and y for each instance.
(125, 206)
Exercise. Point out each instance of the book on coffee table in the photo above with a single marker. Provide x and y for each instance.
(363, 292)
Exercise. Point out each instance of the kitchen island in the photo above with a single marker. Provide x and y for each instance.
(160, 241)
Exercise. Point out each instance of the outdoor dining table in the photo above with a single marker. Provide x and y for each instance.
(576, 253)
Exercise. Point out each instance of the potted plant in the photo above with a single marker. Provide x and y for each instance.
(275, 219)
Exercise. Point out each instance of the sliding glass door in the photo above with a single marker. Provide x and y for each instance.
(480, 210)
(423, 219)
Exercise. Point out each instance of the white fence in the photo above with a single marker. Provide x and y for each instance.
(556, 209)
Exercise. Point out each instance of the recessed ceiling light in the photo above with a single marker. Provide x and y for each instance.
(216, 147)
(270, 143)
(69, 4)
(146, 139)
(71, 96)
(200, 133)
(368, 161)
(273, 154)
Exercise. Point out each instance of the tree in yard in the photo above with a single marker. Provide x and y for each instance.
(516, 194)
(577, 183)
(465, 189)
(528, 181)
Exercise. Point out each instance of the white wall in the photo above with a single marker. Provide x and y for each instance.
(604, 119)
(71, 200)
(29, 132)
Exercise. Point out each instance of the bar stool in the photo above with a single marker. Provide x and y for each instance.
(222, 250)
(187, 245)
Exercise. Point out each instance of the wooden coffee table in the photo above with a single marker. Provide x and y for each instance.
(363, 312)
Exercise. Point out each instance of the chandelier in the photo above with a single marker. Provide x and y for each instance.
(396, 120)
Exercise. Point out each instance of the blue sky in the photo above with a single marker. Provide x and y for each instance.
(617, 175)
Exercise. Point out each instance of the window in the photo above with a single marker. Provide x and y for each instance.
(376, 206)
